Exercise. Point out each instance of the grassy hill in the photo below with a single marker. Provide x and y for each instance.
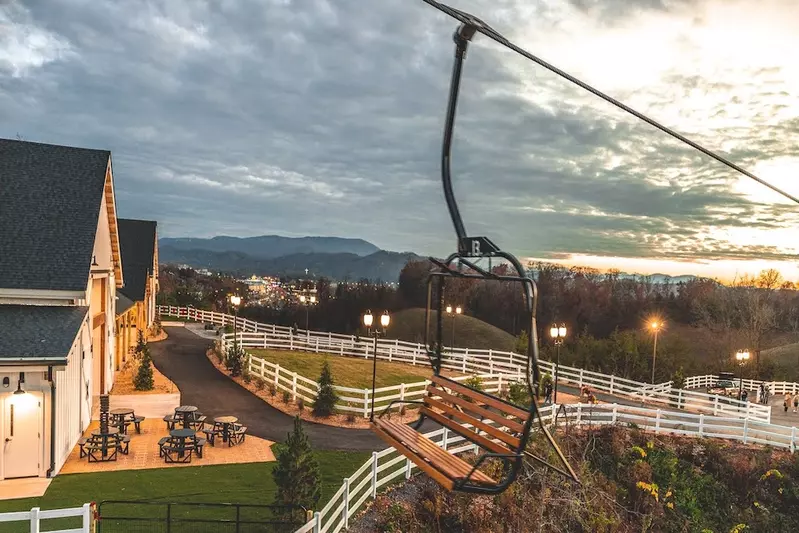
(408, 325)
(786, 358)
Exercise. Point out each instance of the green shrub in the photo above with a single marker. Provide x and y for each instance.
(286, 396)
(326, 398)
(260, 383)
(519, 394)
(473, 382)
(296, 473)
(143, 380)
(234, 360)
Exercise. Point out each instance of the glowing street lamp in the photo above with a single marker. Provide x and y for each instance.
(558, 333)
(368, 321)
(453, 312)
(655, 326)
(742, 356)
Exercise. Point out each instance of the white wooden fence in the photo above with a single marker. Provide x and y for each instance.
(36, 515)
(387, 466)
(774, 387)
(251, 334)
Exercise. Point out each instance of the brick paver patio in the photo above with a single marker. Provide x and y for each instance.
(144, 452)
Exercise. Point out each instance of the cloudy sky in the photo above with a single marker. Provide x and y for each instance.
(323, 117)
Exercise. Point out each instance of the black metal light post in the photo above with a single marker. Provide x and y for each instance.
(368, 320)
(742, 357)
(235, 300)
(558, 333)
(457, 311)
(307, 300)
(655, 325)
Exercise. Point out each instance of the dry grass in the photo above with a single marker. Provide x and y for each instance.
(408, 325)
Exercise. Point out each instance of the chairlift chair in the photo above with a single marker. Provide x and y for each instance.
(497, 427)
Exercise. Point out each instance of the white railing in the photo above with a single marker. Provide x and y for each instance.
(36, 515)
(251, 334)
(774, 387)
(388, 465)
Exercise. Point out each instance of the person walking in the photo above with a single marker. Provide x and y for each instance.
(548, 393)
(795, 401)
(786, 401)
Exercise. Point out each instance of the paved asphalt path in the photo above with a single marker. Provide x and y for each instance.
(182, 359)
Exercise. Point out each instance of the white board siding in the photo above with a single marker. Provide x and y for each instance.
(71, 404)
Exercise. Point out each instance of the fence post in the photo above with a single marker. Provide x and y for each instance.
(294, 386)
(346, 502)
(715, 405)
(679, 399)
(464, 363)
(408, 469)
(611, 384)
(277, 374)
(444, 438)
(317, 518)
(291, 340)
(390, 349)
(615, 412)
(374, 475)
(657, 421)
(317, 344)
(87, 517)
(746, 428)
(701, 424)
(793, 439)
(499, 385)
(263, 368)
(366, 403)
(402, 392)
(581, 377)
(35, 520)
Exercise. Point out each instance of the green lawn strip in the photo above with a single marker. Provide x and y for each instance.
(347, 371)
(240, 483)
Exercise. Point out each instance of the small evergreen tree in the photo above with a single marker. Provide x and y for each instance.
(141, 345)
(157, 327)
(326, 398)
(234, 360)
(521, 343)
(297, 472)
(143, 380)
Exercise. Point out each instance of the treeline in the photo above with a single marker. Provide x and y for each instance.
(607, 315)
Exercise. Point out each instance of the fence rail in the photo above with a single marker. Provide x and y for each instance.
(387, 466)
(511, 366)
(35, 516)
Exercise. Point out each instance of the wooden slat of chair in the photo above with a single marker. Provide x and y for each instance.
(437, 476)
(480, 440)
(486, 399)
(425, 453)
(511, 424)
(448, 410)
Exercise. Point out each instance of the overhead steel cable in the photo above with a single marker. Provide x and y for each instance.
(489, 32)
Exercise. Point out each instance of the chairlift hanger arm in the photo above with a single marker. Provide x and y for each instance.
(474, 24)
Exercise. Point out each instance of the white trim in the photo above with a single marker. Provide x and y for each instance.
(43, 294)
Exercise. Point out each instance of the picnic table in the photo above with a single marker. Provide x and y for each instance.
(226, 422)
(185, 413)
(119, 417)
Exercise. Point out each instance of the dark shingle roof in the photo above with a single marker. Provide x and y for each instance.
(137, 244)
(38, 332)
(50, 198)
(123, 303)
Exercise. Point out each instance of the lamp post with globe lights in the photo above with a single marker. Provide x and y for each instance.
(742, 356)
(558, 333)
(307, 301)
(235, 301)
(368, 321)
(453, 313)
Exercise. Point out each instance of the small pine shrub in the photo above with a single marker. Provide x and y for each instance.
(234, 360)
(326, 398)
(301, 404)
(296, 473)
(143, 380)
(473, 382)
(519, 394)
(272, 388)
(246, 375)
(350, 418)
(260, 383)
(286, 396)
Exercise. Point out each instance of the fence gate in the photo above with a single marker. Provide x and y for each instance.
(115, 516)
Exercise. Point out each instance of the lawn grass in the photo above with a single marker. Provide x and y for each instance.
(240, 483)
(347, 371)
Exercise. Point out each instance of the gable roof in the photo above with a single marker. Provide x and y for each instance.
(137, 241)
(38, 332)
(50, 197)
(123, 303)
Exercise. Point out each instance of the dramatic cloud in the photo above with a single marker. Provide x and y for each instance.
(324, 117)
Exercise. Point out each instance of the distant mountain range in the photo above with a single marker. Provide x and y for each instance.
(331, 257)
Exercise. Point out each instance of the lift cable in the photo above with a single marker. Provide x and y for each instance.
(489, 32)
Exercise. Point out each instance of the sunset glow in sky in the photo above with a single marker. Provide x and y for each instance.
(324, 117)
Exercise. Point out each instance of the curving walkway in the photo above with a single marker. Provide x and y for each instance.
(182, 359)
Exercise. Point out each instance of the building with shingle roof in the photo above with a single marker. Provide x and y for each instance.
(136, 299)
(60, 268)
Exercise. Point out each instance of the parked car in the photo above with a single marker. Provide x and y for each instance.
(725, 385)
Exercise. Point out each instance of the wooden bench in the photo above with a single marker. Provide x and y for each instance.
(452, 404)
